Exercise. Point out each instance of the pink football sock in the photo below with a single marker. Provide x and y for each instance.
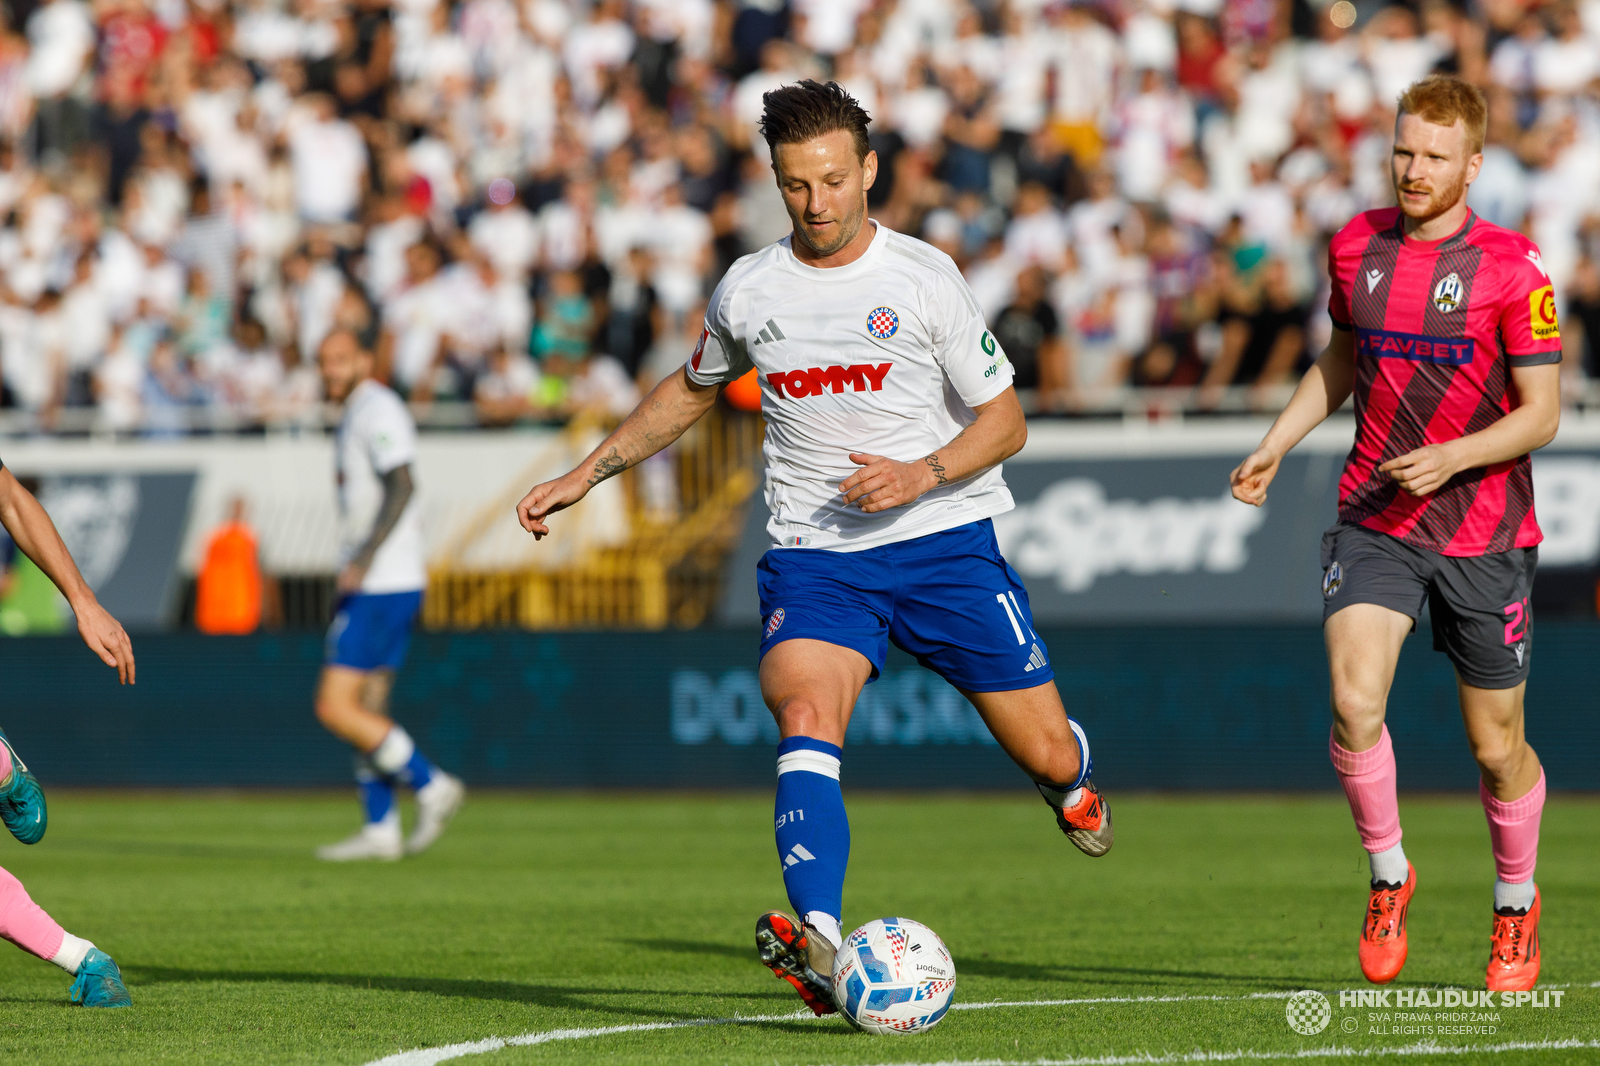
(1514, 831)
(24, 922)
(1368, 778)
(5, 764)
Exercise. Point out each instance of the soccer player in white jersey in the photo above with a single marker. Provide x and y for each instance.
(381, 579)
(98, 982)
(889, 409)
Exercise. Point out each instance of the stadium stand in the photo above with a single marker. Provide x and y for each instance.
(521, 207)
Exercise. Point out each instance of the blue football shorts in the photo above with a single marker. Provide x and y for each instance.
(947, 598)
(371, 631)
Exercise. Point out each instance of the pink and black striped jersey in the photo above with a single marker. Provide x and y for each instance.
(1438, 327)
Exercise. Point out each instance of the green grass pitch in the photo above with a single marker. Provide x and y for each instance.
(543, 912)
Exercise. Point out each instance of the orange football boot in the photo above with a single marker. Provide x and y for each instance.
(1087, 823)
(1383, 935)
(800, 955)
(1514, 950)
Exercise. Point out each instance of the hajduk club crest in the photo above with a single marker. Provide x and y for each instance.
(1447, 294)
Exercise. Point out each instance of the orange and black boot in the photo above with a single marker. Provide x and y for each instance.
(1383, 934)
(1514, 949)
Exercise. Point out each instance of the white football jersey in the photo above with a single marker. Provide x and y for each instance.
(376, 435)
(887, 355)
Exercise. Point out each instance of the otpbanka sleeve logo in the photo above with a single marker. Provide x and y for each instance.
(1542, 314)
(987, 343)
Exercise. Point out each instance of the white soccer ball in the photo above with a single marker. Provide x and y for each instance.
(893, 975)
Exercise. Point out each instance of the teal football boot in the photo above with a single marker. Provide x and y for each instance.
(99, 983)
(22, 805)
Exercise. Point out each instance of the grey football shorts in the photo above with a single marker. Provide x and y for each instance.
(1479, 604)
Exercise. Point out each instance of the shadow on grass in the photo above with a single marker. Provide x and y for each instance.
(1130, 975)
(695, 947)
(1158, 981)
(554, 997)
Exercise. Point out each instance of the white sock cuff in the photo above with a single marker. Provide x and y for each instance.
(72, 953)
(827, 925)
(394, 751)
(812, 762)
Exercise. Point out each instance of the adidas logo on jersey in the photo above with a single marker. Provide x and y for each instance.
(797, 854)
(798, 384)
(1036, 661)
(769, 333)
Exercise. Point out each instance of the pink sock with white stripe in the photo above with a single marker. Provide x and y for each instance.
(1368, 779)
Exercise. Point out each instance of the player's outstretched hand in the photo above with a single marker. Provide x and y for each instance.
(106, 638)
(546, 499)
(1423, 471)
(1250, 478)
(884, 483)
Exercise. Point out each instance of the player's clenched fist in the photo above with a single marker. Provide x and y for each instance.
(884, 483)
(1251, 477)
(547, 499)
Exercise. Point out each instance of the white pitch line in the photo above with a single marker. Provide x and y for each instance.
(434, 1055)
(1250, 1055)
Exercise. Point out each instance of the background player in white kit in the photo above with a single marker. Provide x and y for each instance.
(889, 408)
(381, 578)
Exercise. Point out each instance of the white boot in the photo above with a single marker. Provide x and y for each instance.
(376, 840)
(437, 803)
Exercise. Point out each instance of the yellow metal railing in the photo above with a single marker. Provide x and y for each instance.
(666, 572)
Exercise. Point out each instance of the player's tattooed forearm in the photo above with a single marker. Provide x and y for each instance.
(607, 466)
(937, 468)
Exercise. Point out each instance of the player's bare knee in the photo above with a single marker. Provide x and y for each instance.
(799, 716)
(1499, 757)
(1358, 712)
(331, 710)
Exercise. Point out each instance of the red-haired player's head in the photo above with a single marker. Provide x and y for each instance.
(1438, 147)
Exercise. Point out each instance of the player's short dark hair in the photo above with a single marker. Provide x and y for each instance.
(806, 110)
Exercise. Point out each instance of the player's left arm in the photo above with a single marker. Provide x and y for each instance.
(398, 489)
(36, 536)
(1529, 425)
(998, 433)
(1532, 346)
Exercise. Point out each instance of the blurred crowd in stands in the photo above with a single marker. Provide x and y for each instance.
(522, 205)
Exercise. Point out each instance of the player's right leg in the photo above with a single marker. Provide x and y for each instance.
(811, 687)
(22, 805)
(826, 637)
(23, 922)
(366, 643)
(1373, 589)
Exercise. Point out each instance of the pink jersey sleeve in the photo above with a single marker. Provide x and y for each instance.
(1528, 326)
(1339, 289)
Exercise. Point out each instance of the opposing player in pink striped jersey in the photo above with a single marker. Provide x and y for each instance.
(98, 982)
(1446, 333)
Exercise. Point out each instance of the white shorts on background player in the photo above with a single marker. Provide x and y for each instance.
(377, 435)
(892, 353)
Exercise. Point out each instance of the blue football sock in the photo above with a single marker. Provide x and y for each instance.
(377, 791)
(812, 828)
(418, 770)
(398, 757)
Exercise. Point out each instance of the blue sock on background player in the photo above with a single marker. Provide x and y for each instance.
(377, 791)
(813, 831)
(397, 756)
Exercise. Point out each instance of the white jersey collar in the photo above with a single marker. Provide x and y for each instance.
(840, 273)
